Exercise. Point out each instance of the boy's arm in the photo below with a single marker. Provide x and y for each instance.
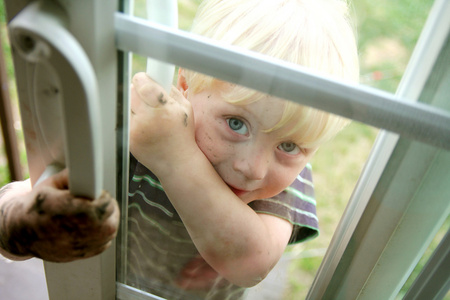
(238, 243)
(49, 223)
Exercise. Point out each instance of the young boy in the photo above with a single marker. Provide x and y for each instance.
(211, 217)
(226, 154)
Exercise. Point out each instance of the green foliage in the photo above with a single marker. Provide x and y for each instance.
(4, 174)
(4, 41)
(2, 12)
(387, 34)
(4, 171)
(400, 19)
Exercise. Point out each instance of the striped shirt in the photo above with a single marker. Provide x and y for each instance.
(159, 245)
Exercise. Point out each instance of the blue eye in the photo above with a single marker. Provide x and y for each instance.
(289, 148)
(237, 125)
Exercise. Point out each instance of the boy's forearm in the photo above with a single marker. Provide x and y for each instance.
(229, 235)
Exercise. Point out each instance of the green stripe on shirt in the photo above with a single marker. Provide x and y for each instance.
(298, 194)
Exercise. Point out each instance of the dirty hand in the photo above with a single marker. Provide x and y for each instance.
(49, 223)
(161, 125)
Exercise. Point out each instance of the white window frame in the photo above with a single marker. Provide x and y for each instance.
(364, 221)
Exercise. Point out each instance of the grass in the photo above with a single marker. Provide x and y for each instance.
(387, 33)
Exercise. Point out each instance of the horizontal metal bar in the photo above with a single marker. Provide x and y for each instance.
(368, 105)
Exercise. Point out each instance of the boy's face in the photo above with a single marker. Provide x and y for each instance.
(253, 163)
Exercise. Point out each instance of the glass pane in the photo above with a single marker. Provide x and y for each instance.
(425, 258)
(387, 33)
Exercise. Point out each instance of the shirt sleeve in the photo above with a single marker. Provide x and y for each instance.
(295, 204)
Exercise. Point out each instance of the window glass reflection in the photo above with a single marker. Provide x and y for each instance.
(343, 158)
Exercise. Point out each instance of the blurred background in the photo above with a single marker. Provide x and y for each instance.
(387, 33)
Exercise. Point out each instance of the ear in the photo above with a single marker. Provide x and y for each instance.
(181, 82)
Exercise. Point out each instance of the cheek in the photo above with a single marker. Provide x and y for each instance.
(214, 148)
(203, 138)
(205, 143)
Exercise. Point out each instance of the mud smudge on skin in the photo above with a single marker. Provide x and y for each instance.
(161, 99)
(185, 120)
(101, 210)
(21, 240)
(37, 207)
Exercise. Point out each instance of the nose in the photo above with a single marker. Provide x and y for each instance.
(253, 166)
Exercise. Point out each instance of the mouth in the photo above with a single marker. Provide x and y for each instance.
(236, 191)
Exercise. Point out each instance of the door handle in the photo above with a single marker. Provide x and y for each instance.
(164, 12)
(59, 99)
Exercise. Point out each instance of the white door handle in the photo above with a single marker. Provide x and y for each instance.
(59, 98)
(164, 12)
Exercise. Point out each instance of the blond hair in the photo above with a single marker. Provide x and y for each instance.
(316, 34)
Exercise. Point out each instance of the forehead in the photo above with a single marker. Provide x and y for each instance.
(228, 98)
(267, 110)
